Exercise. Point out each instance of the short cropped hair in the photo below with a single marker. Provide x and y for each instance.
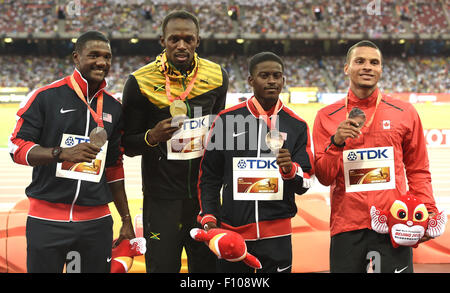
(363, 43)
(261, 57)
(183, 14)
(89, 36)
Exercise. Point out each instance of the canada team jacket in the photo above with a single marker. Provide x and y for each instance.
(395, 124)
(252, 219)
(43, 118)
(146, 103)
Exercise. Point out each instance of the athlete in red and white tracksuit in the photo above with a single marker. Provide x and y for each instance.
(66, 214)
(395, 124)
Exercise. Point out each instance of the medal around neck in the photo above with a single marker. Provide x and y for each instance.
(358, 115)
(274, 140)
(98, 136)
(178, 108)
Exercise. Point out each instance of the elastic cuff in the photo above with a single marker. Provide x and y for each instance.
(208, 218)
(338, 145)
(114, 173)
(291, 174)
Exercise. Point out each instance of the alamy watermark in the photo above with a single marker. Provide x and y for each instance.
(73, 264)
(73, 8)
(230, 132)
(374, 265)
(374, 7)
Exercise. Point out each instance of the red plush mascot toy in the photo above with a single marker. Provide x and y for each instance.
(226, 244)
(407, 221)
(123, 254)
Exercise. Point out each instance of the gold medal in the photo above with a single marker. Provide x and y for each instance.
(98, 136)
(274, 140)
(178, 108)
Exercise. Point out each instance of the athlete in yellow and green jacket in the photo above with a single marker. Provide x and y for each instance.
(169, 186)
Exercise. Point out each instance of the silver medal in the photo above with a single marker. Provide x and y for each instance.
(98, 136)
(274, 140)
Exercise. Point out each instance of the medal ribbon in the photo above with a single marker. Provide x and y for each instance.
(166, 75)
(367, 124)
(97, 116)
(185, 93)
(272, 120)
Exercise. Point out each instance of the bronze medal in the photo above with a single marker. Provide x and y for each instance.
(358, 115)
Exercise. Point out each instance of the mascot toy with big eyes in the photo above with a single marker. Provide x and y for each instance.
(407, 221)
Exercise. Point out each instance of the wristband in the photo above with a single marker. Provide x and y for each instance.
(126, 217)
(146, 141)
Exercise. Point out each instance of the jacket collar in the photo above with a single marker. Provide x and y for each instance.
(83, 83)
(167, 68)
(368, 102)
(251, 107)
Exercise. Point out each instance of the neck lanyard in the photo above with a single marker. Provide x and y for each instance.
(369, 122)
(97, 116)
(272, 120)
(188, 88)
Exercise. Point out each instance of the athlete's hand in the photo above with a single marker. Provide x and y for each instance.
(82, 152)
(284, 160)
(164, 130)
(347, 129)
(425, 237)
(126, 232)
(209, 225)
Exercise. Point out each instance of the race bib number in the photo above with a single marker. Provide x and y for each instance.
(369, 169)
(87, 171)
(257, 179)
(188, 143)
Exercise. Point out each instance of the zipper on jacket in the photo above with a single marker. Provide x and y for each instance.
(77, 193)
(88, 121)
(256, 202)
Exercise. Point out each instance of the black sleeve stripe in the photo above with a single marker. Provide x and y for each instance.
(398, 108)
(332, 113)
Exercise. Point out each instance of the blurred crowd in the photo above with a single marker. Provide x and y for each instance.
(227, 16)
(412, 74)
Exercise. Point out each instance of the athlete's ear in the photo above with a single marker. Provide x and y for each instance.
(162, 41)
(198, 42)
(250, 80)
(76, 59)
(346, 69)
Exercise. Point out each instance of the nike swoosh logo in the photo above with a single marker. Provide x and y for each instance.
(108, 259)
(399, 271)
(62, 111)
(237, 134)
(283, 269)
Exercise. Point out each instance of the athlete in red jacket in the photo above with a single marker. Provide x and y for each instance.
(382, 143)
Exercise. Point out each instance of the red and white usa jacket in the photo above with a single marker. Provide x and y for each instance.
(396, 124)
(44, 116)
(252, 219)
